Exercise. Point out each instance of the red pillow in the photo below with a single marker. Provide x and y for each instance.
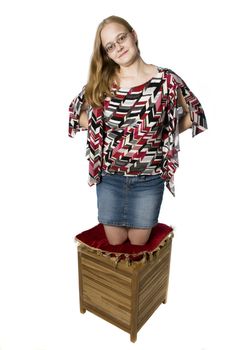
(95, 238)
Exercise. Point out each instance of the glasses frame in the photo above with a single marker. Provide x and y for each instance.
(117, 41)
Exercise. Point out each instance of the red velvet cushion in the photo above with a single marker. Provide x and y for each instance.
(95, 238)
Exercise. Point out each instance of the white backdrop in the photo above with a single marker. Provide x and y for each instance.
(45, 199)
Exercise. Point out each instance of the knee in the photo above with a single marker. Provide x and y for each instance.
(115, 235)
(138, 236)
(136, 241)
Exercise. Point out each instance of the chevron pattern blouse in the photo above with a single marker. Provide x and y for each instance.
(136, 131)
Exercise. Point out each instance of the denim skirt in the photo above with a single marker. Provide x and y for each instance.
(131, 201)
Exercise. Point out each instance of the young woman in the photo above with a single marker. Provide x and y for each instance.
(133, 112)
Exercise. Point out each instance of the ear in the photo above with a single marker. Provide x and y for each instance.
(134, 34)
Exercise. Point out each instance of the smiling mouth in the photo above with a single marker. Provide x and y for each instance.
(123, 53)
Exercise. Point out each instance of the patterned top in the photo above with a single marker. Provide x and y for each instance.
(136, 131)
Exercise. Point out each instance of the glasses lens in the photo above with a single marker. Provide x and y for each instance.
(110, 48)
(121, 38)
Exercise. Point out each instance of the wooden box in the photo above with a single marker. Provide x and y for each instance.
(124, 294)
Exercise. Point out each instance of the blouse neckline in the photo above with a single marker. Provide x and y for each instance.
(143, 84)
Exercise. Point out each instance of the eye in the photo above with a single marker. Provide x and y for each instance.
(121, 38)
(109, 47)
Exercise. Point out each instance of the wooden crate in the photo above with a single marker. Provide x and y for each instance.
(124, 295)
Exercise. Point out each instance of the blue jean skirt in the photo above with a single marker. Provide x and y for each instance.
(131, 201)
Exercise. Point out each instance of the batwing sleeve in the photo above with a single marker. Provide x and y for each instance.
(74, 114)
(197, 114)
(170, 134)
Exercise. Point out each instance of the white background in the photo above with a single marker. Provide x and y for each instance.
(45, 199)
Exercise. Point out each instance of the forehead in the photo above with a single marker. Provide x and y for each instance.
(110, 31)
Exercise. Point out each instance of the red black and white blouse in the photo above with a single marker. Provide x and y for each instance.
(136, 131)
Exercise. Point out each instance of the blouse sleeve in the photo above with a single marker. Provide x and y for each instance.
(74, 114)
(170, 133)
(199, 123)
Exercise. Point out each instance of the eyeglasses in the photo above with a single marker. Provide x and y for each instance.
(111, 46)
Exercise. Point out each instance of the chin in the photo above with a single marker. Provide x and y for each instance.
(128, 60)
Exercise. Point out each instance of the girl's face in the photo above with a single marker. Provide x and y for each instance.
(119, 43)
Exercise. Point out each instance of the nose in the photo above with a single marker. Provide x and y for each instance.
(118, 46)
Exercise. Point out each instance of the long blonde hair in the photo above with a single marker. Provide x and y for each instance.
(102, 69)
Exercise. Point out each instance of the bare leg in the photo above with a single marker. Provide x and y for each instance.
(139, 236)
(115, 234)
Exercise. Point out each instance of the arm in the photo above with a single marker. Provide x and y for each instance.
(185, 121)
(83, 116)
